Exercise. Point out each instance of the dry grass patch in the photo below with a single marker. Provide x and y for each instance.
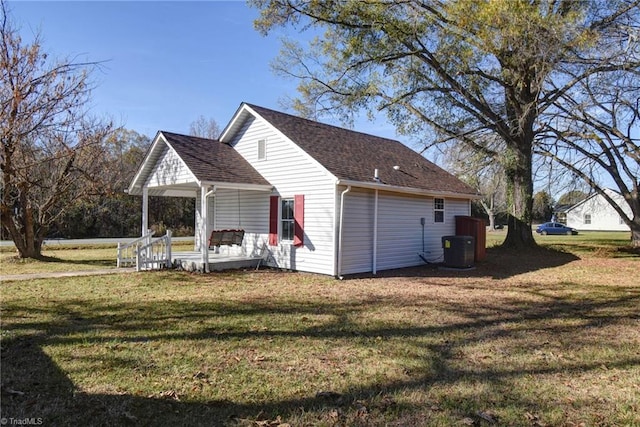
(549, 339)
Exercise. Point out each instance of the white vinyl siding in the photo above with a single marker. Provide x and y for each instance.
(399, 230)
(237, 209)
(169, 170)
(291, 171)
(357, 235)
(245, 210)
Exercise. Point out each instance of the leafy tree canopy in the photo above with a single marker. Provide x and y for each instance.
(464, 70)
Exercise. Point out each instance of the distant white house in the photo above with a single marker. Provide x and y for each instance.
(595, 213)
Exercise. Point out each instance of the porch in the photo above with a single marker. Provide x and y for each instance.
(229, 194)
(192, 261)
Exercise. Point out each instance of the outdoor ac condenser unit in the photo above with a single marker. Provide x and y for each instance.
(458, 251)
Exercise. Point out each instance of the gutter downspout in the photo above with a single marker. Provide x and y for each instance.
(374, 269)
(340, 232)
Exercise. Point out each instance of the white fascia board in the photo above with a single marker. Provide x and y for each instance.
(175, 193)
(140, 178)
(237, 186)
(407, 190)
(226, 134)
(134, 182)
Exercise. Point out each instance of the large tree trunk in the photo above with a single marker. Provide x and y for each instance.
(635, 232)
(518, 168)
(27, 242)
(489, 210)
(18, 220)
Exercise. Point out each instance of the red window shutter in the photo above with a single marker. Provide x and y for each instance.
(274, 202)
(298, 217)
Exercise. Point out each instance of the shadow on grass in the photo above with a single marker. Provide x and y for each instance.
(105, 262)
(98, 262)
(34, 386)
(500, 263)
(601, 249)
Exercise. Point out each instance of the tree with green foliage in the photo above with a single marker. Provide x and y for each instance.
(111, 213)
(571, 197)
(464, 70)
(542, 206)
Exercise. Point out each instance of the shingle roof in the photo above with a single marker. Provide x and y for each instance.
(213, 161)
(353, 156)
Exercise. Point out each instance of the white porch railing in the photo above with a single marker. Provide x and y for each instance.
(146, 253)
(127, 251)
(155, 255)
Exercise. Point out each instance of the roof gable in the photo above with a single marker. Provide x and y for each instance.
(354, 156)
(212, 161)
(209, 161)
(616, 196)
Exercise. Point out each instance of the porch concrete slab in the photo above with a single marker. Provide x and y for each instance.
(191, 261)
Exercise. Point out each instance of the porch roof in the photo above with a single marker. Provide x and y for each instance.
(208, 161)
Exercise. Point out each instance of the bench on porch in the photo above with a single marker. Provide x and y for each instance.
(226, 237)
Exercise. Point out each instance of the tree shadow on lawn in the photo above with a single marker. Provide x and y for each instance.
(99, 262)
(500, 263)
(34, 386)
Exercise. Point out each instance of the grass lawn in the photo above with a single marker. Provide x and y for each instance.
(547, 339)
(62, 257)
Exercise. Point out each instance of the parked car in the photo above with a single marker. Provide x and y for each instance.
(555, 228)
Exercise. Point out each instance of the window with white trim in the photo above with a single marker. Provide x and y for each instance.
(287, 219)
(438, 210)
(262, 149)
(587, 218)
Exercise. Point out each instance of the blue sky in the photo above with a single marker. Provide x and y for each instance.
(167, 63)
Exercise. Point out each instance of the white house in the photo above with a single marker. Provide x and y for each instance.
(315, 197)
(595, 213)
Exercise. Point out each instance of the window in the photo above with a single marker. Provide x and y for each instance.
(287, 219)
(262, 149)
(622, 221)
(587, 218)
(438, 210)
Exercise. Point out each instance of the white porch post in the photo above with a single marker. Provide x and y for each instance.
(145, 210)
(204, 239)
